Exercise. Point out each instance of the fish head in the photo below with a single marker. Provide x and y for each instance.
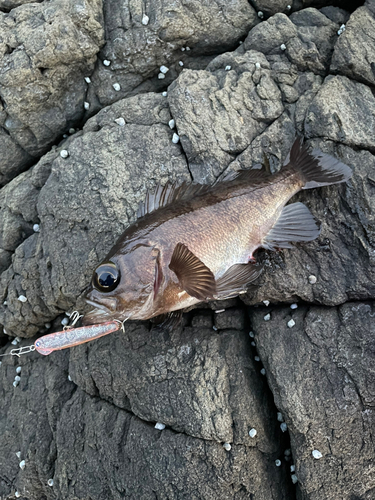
(123, 285)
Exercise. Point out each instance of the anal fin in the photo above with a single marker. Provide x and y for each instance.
(169, 321)
(296, 223)
(236, 279)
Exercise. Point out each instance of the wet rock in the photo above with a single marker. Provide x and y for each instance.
(141, 39)
(52, 46)
(354, 54)
(321, 374)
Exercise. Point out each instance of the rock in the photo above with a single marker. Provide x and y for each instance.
(271, 7)
(6, 5)
(136, 51)
(127, 455)
(343, 111)
(52, 46)
(335, 14)
(306, 37)
(225, 112)
(220, 401)
(321, 374)
(354, 54)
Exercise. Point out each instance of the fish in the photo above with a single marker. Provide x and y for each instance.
(195, 243)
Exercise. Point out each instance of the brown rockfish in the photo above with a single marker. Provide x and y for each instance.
(195, 243)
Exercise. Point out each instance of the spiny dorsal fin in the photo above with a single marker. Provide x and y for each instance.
(171, 192)
(296, 223)
(194, 276)
(236, 279)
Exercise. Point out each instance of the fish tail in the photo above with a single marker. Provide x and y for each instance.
(316, 168)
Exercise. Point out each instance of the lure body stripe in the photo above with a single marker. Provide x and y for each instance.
(74, 336)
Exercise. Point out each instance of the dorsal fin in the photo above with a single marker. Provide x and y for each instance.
(171, 192)
(253, 176)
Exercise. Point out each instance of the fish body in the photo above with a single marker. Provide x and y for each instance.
(197, 243)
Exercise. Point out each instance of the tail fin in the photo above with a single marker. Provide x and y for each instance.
(316, 168)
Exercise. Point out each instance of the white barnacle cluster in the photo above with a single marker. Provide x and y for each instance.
(267, 317)
(22, 298)
(341, 29)
(283, 46)
(316, 454)
(227, 446)
(159, 426)
(291, 323)
(120, 121)
(252, 433)
(116, 87)
(64, 153)
(163, 71)
(260, 14)
(175, 138)
(17, 378)
(145, 20)
(283, 427)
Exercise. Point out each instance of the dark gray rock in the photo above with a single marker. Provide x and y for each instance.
(321, 373)
(335, 14)
(125, 456)
(343, 111)
(6, 5)
(52, 46)
(306, 39)
(229, 105)
(271, 7)
(354, 54)
(141, 39)
(155, 371)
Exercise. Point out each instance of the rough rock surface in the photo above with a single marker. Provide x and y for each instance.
(354, 54)
(46, 50)
(142, 38)
(321, 373)
(85, 417)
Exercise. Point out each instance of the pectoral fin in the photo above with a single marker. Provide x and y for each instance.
(296, 223)
(236, 279)
(194, 276)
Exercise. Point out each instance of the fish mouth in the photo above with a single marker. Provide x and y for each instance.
(100, 313)
(99, 306)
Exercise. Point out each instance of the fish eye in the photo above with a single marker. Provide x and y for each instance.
(106, 277)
